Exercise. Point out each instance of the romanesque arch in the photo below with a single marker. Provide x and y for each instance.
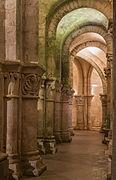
(93, 43)
(65, 52)
(57, 12)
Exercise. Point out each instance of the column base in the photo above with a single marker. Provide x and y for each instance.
(32, 164)
(78, 128)
(71, 131)
(3, 166)
(58, 138)
(50, 145)
(14, 167)
(66, 137)
(40, 144)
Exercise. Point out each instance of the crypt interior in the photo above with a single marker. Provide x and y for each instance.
(57, 89)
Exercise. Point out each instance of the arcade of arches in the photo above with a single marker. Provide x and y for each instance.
(57, 76)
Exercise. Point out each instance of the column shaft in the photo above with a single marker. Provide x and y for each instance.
(49, 139)
(31, 161)
(114, 94)
(66, 137)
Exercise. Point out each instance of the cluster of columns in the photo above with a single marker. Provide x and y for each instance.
(83, 110)
(54, 110)
(19, 101)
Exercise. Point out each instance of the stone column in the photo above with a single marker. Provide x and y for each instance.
(49, 139)
(57, 120)
(12, 141)
(74, 112)
(108, 73)
(85, 112)
(114, 94)
(66, 137)
(70, 113)
(80, 112)
(103, 98)
(32, 164)
(89, 123)
(2, 118)
(41, 117)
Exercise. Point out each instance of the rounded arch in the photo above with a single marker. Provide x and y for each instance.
(97, 68)
(60, 9)
(56, 13)
(79, 71)
(93, 43)
(64, 55)
(85, 29)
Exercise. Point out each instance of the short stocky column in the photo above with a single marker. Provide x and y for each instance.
(31, 161)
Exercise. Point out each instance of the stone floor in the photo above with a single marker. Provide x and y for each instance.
(83, 159)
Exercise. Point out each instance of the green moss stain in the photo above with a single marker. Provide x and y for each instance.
(77, 18)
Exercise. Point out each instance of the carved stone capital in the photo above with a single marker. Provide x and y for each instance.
(50, 88)
(43, 80)
(80, 100)
(30, 84)
(13, 87)
(66, 93)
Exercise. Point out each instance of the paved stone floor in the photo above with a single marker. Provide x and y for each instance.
(83, 159)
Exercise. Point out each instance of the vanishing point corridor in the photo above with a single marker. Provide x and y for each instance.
(82, 159)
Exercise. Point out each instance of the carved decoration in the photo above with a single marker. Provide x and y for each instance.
(107, 72)
(80, 100)
(30, 84)
(50, 85)
(13, 83)
(109, 60)
(110, 27)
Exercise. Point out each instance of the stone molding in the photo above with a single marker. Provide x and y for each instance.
(98, 44)
(107, 72)
(67, 6)
(30, 84)
(80, 99)
(109, 60)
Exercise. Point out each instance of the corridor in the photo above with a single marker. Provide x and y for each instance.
(83, 159)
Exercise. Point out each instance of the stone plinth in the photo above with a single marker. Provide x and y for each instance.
(3, 167)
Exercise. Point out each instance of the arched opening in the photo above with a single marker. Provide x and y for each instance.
(88, 86)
